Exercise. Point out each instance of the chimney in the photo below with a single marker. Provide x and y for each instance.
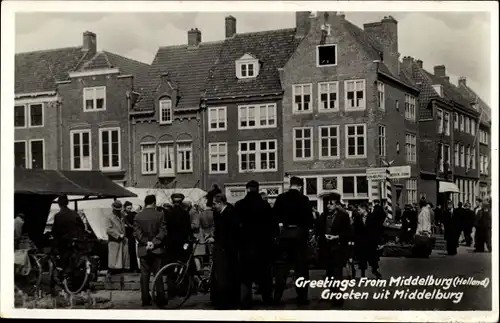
(89, 42)
(407, 60)
(230, 26)
(447, 79)
(302, 23)
(462, 81)
(385, 33)
(420, 63)
(440, 71)
(194, 37)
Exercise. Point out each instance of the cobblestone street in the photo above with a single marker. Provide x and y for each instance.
(465, 264)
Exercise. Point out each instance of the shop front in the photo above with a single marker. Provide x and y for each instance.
(236, 192)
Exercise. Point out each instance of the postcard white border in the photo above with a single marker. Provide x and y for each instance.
(9, 8)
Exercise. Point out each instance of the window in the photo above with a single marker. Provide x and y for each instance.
(382, 146)
(455, 120)
(326, 55)
(354, 187)
(257, 116)
(302, 140)
(166, 111)
(36, 115)
(396, 105)
(247, 70)
(37, 154)
(20, 116)
(410, 107)
(440, 120)
(473, 127)
(330, 183)
(355, 95)
(80, 150)
(258, 156)
(218, 157)
(486, 164)
(356, 141)
(481, 164)
(462, 122)
(247, 66)
(446, 123)
(457, 155)
(20, 154)
(381, 95)
(411, 148)
(110, 149)
(302, 98)
(148, 152)
(217, 118)
(446, 158)
(329, 142)
(473, 158)
(311, 186)
(328, 98)
(462, 156)
(467, 124)
(94, 98)
(467, 157)
(167, 161)
(411, 191)
(184, 157)
(483, 137)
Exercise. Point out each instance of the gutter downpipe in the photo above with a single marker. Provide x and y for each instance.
(129, 129)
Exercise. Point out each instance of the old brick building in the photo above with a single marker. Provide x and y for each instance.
(347, 106)
(87, 128)
(167, 124)
(243, 112)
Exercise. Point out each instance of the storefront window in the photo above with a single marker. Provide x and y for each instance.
(311, 186)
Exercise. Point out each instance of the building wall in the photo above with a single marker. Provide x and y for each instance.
(49, 131)
(232, 136)
(115, 115)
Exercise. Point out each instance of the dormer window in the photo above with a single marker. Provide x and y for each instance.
(165, 113)
(247, 67)
(326, 55)
(438, 88)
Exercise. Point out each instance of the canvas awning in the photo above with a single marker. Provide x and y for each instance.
(448, 187)
(55, 182)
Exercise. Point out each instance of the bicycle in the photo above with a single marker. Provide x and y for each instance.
(181, 281)
(29, 283)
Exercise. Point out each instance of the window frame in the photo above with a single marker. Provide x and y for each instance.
(257, 153)
(462, 123)
(30, 105)
(30, 160)
(160, 111)
(381, 101)
(356, 135)
(412, 190)
(217, 111)
(153, 171)
(411, 148)
(446, 123)
(294, 138)
(462, 156)
(94, 88)
(80, 132)
(329, 138)
(456, 154)
(382, 140)
(26, 152)
(25, 108)
(329, 84)
(473, 158)
(100, 143)
(218, 155)
(246, 62)
(346, 101)
(294, 91)
(257, 116)
(410, 107)
(179, 159)
(440, 121)
(166, 171)
(456, 121)
(318, 58)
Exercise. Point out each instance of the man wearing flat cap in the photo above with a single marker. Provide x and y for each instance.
(179, 230)
(258, 228)
(118, 255)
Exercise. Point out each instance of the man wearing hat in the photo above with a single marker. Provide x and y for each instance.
(179, 229)
(118, 255)
(294, 214)
(258, 228)
(129, 216)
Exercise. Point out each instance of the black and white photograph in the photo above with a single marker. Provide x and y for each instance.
(250, 160)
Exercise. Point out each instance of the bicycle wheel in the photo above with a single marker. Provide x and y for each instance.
(177, 284)
(79, 276)
(30, 283)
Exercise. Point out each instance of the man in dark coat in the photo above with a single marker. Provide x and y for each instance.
(452, 228)
(258, 227)
(150, 232)
(365, 227)
(67, 226)
(483, 227)
(380, 215)
(294, 214)
(129, 233)
(334, 236)
(468, 224)
(178, 222)
(225, 289)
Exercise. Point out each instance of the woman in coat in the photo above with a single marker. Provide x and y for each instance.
(118, 255)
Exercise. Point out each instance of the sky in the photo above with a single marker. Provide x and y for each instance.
(458, 40)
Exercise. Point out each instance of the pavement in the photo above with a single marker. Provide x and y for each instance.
(465, 264)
